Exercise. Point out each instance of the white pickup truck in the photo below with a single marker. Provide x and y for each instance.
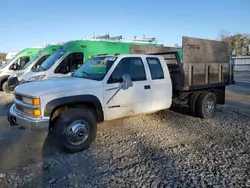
(112, 87)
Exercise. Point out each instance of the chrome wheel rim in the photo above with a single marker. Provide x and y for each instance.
(78, 132)
(209, 105)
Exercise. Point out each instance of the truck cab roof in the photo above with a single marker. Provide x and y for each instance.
(129, 55)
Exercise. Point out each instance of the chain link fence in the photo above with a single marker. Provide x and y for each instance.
(241, 63)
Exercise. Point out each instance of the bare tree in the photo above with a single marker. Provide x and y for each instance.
(223, 34)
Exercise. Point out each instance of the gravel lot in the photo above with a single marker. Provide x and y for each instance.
(164, 149)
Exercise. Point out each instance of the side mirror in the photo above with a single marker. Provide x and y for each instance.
(127, 82)
(13, 67)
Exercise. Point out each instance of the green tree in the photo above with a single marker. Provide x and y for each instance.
(239, 43)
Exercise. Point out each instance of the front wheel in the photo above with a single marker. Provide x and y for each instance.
(75, 129)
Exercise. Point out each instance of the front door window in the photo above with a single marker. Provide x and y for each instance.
(20, 63)
(71, 63)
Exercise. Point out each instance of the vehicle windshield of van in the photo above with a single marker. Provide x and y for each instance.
(38, 63)
(95, 68)
(49, 62)
(32, 60)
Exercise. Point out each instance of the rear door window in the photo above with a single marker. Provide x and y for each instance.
(155, 68)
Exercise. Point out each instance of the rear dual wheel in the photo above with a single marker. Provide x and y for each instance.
(192, 102)
(203, 104)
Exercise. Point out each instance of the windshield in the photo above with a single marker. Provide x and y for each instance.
(50, 61)
(31, 61)
(95, 68)
(40, 61)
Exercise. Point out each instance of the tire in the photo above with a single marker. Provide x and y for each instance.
(206, 105)
(5, 87)
(192, 102)
(80, 120)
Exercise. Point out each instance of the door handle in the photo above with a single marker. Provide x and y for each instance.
(147, 87)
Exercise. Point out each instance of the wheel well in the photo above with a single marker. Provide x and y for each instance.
(2, 81)
(60, 109)
(219, 93)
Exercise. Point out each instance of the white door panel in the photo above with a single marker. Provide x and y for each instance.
(161, 94)
(161, 86)
(134, 100)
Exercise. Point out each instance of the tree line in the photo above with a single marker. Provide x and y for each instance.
(239, 43)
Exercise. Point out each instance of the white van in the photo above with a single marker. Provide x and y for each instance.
(10, 55)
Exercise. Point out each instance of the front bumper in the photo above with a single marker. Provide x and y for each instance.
(14, 117)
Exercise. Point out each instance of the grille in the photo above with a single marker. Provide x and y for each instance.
(24, 110)
(19, 108)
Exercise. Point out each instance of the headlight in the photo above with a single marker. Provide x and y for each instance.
(35, 78)
(19, 74)
(34, 101)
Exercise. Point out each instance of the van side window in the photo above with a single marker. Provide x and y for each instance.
(155, 68)
(24, 61)
(72, 62)
(64, 65)
(77, 61)
(128, 65)
(20, 63)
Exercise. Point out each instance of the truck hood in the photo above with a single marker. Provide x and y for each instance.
(55, 85)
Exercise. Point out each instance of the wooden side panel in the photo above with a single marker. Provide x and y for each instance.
(205, 61)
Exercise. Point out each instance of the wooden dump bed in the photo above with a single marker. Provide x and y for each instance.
(205, 63)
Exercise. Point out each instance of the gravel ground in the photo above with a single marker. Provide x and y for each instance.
(164, 149)
(6, 99)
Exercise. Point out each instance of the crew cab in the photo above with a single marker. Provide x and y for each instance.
(111, 87)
